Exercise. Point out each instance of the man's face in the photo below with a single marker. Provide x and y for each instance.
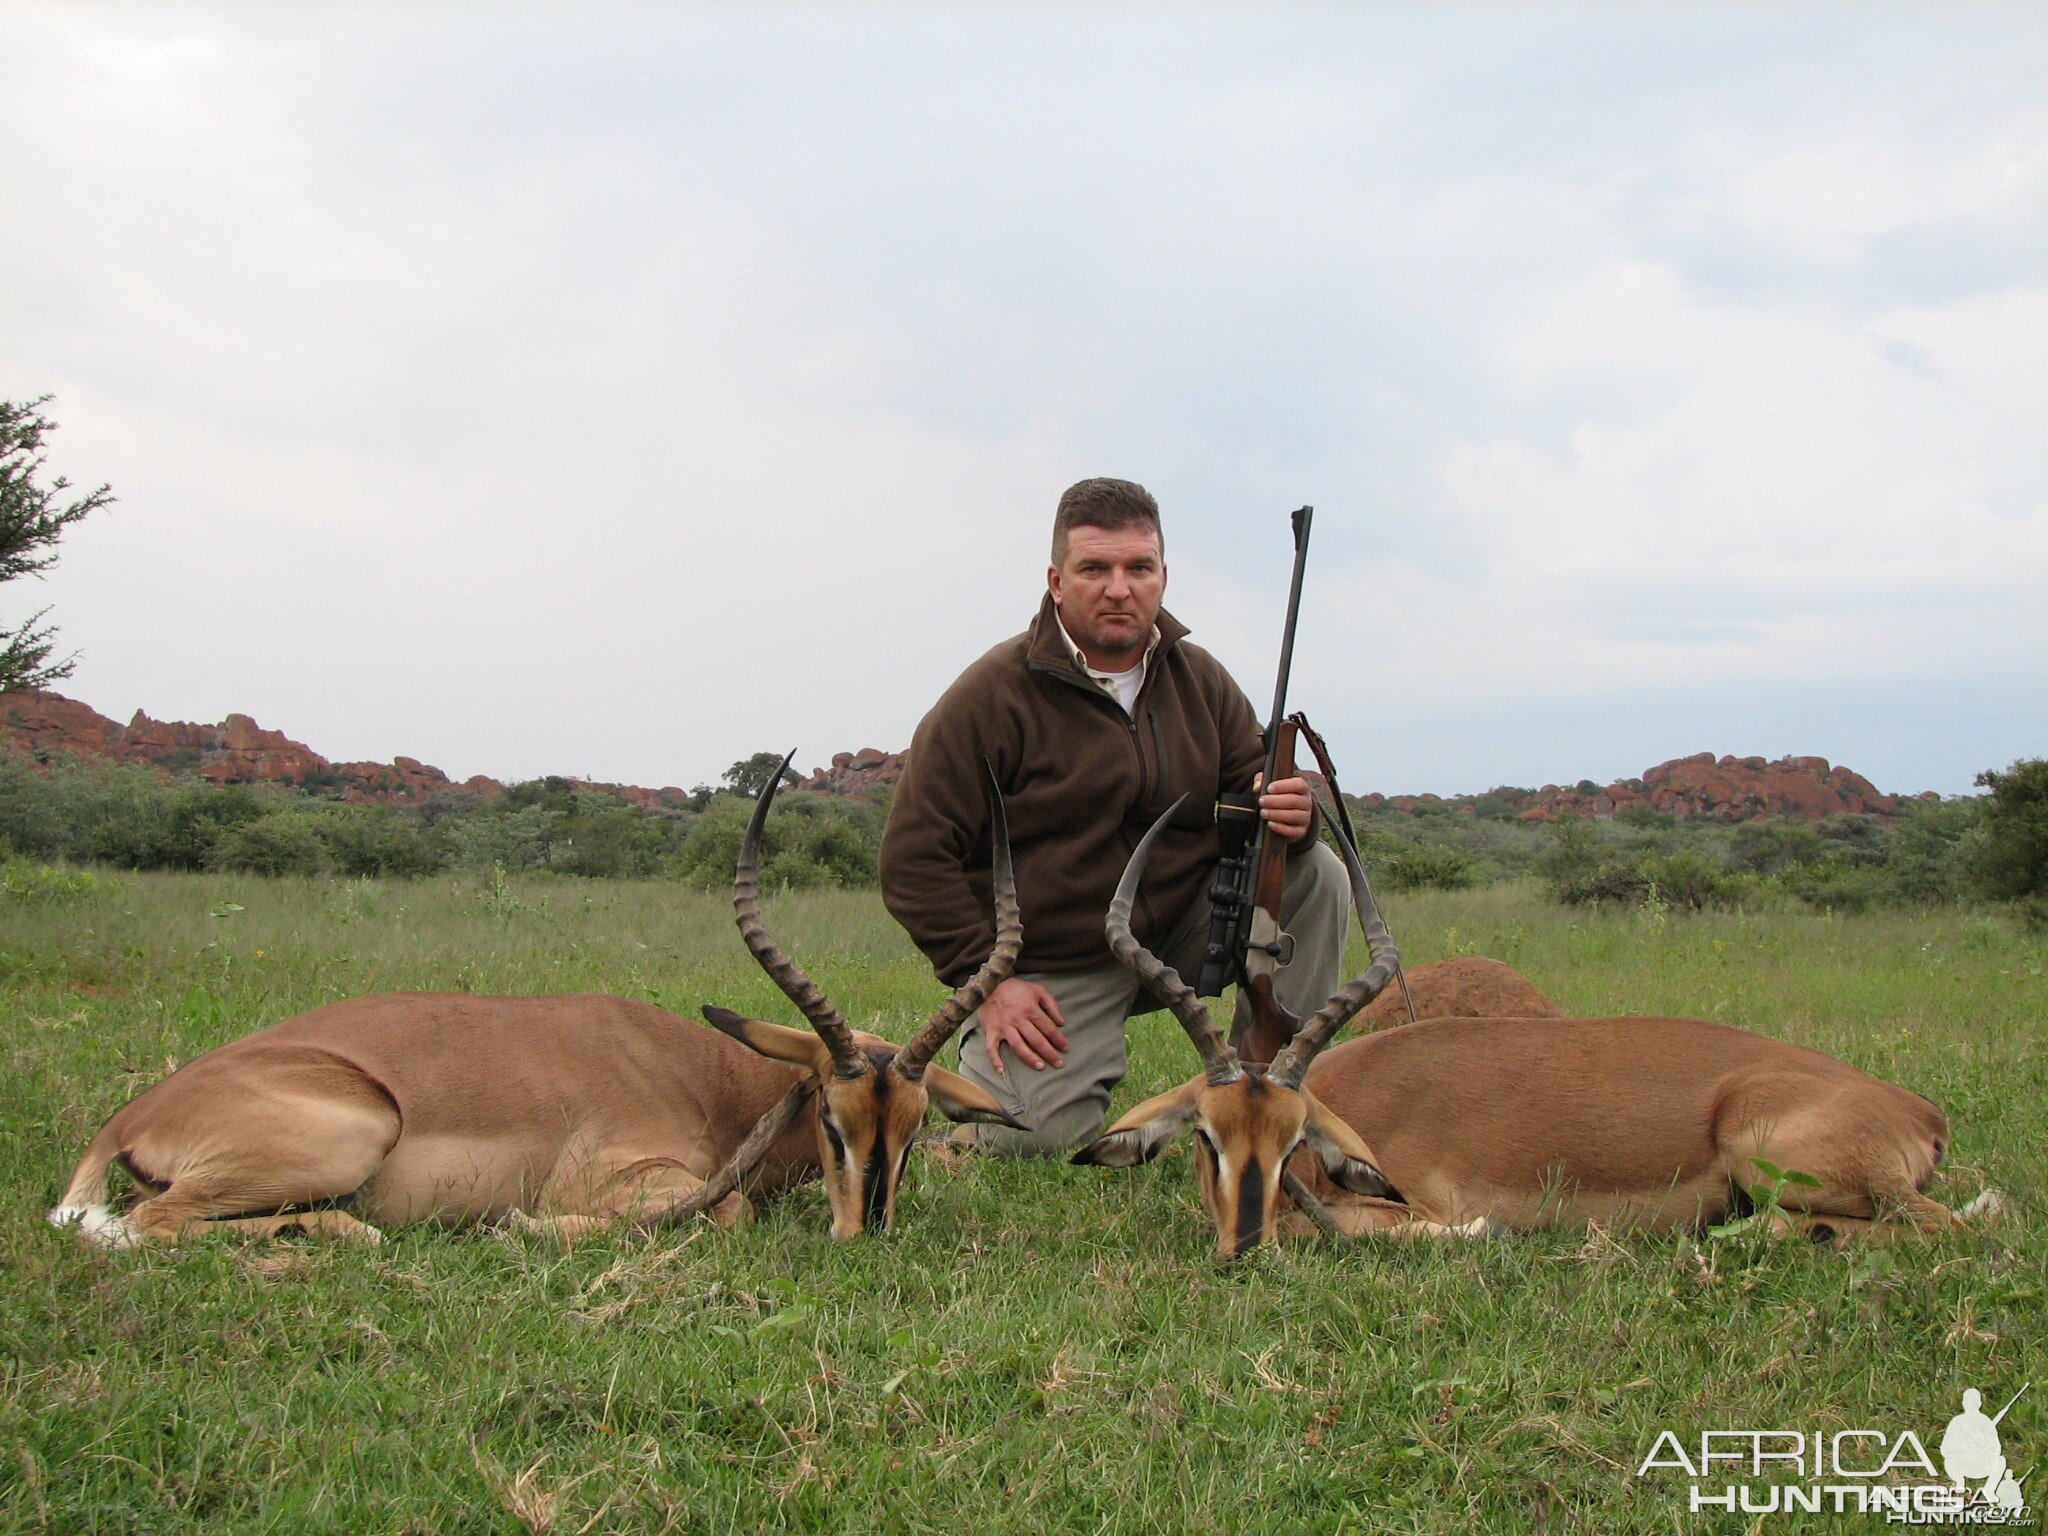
(1108, 591)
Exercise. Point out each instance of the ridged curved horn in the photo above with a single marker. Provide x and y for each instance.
(1219, 1061)
(848, 1059)
(913, 1058)
(746, 1156)
(1291, 1065)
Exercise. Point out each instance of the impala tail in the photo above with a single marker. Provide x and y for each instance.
(84, 1205)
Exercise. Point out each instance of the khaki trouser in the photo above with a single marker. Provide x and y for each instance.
(1065, 1105)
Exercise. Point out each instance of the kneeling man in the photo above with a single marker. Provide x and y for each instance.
(1095, 720)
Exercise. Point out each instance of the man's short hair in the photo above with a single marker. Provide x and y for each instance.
(1103, 503)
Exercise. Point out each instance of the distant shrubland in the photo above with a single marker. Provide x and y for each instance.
(80, 812)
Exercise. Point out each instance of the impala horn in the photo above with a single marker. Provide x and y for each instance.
(848, 1059)
(1291, 1065)
(1219, 1061)
(914, 1057)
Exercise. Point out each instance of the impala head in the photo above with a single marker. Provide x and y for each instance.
(873, 1095)
(1247, 1120)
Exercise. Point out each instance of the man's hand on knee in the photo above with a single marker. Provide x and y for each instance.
(1024, 1016)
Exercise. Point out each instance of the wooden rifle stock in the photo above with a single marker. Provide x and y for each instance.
(1267, 948)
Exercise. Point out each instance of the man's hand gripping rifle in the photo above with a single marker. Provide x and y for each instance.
(1246, 942)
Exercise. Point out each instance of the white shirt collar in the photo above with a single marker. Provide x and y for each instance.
(1122, 686)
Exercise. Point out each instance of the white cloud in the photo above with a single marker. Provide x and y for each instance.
(1796, 454)
(652, 385)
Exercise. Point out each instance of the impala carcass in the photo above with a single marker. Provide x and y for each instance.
(572, 1111)
(1463, 987)
(1472, 1125)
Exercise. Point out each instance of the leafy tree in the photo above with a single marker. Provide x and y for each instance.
(2010, 862)
(32, 519)
(751, 777)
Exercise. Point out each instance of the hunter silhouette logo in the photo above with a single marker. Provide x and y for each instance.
(1971, 1452)
(1855, 1471)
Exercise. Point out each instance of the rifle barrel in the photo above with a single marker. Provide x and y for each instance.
(1301, 521)
(2008, 1407)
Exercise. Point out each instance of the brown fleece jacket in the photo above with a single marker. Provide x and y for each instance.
(1081, 782)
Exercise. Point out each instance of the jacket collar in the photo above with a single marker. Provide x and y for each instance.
(1046, 646)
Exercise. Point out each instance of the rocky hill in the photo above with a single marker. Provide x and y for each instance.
(239, 751)
(1703, 785)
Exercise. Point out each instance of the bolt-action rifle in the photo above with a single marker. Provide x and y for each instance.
(1246, 942)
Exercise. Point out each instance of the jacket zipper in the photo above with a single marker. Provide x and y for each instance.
(1130, 721)
(1088, 686)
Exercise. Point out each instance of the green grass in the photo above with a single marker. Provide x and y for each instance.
(1039, 1347)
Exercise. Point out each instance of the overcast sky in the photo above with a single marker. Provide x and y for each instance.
(622, 390)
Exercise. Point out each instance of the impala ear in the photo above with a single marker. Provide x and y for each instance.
(961, 1100)
(1145, 1132)
(1344, 1155)
(778, 1042)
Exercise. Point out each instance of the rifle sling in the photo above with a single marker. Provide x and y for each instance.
(1336, 806)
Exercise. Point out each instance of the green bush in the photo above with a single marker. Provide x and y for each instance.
(831, 852)
(118, 813)
(607, 838)
(1839, 885)
(1618, 880)
(1926, 856)
(551, 824)
(106, 814)
(810, 841)
(283, 843)
(1573, 856)
(1425, 868)
(502, 838)
(38, 884)
(25, 822)
(1689, 879)
(1775, 845)
(376, 840)
(1683, 879)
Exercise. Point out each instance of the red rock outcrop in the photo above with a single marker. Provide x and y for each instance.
(237, 751)
(866, 772)
(1717, 788)
(40, 724)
